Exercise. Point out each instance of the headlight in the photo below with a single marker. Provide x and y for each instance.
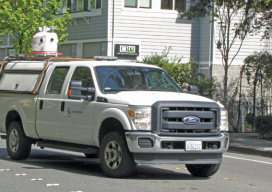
(224, 125)
(141, 117)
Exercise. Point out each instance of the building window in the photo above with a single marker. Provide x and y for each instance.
(179, 5)
(95, 4)
(79, 5)
(138, 3)
(145, 3)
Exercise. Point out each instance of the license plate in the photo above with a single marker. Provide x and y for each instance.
(193, 145)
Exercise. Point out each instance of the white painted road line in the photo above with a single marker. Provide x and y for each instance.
(248, 159)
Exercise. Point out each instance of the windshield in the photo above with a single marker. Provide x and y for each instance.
(128, 78)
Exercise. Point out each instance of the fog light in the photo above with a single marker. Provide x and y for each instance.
(226, 142)
(145, 143)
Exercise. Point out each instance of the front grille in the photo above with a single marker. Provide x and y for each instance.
(167, 118)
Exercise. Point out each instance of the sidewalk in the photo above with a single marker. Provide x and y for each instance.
(249, 142)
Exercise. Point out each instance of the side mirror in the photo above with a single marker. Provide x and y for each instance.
(76, 89)
(192, 89)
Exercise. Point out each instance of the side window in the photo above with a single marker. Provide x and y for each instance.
(83, 74)
(56, 80)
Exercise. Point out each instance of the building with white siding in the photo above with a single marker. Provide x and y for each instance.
(133, 29)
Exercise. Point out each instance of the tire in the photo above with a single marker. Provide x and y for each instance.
(115, 157)
(18, 144)
(202, 170)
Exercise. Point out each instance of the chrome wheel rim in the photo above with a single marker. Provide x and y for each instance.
(113, 155)
(14, 140)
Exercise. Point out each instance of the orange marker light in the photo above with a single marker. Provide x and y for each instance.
(131, 113)
(69, 92)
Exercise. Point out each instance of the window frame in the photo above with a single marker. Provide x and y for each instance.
(138, 5)
(64, 7)
(173, 5)
(49, 83)
(72, 75)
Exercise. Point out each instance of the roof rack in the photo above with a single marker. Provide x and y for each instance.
(105, 58)
(48, 58)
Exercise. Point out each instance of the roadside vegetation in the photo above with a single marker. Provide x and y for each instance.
(20, 19)
(264, 126)
(183, 73)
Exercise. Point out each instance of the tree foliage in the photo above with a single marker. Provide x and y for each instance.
(258, 62)
(20, 20)
(183, 73)
(234, 21)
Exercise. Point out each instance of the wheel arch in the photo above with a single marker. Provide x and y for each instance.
(26, 115)
(111, 119)
(11, 116)
(110, 125)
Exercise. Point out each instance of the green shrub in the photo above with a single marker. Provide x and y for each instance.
(264, 126)
(249, 118)
(183, 73)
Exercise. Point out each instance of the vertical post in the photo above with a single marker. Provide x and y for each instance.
(254, 101)
(113, 25)
(241, 118)
(262, 106)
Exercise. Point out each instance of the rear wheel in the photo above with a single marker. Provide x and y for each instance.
(202, 170)
(18, 144)
(115, 157)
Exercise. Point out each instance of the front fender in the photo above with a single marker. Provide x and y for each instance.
(111, 113)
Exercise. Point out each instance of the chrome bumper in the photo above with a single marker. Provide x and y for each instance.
(157, 154)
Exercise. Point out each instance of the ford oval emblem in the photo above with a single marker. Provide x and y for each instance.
(191, 120)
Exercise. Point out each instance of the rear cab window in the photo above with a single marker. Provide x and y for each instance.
(56, 81)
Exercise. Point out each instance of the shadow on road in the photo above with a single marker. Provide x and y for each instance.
(79, 164)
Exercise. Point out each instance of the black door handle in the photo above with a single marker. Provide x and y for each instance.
(41, 104)
(62, 106)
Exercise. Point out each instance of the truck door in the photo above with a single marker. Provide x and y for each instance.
(77, 116)
(49, 103)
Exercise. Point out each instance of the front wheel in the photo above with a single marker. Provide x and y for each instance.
(202, 170)
(115, 157)
(18, 144)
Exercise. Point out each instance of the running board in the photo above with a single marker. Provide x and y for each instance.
(86, 149)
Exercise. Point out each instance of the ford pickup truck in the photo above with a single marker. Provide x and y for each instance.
(123, 113)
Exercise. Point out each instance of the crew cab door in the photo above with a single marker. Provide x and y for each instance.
(76, 124)
(49, 103)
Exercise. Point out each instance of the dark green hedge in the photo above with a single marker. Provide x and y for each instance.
(249, 118)
(264, 126)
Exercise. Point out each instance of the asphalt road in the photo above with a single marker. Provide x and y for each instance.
(55, 170)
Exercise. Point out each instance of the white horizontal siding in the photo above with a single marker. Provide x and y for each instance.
(152, 29)
(250, 44)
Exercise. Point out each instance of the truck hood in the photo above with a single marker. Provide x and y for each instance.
(148, 98)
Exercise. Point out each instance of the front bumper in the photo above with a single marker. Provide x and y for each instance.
(157, 153)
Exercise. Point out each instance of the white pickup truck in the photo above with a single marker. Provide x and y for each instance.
(122, 112)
